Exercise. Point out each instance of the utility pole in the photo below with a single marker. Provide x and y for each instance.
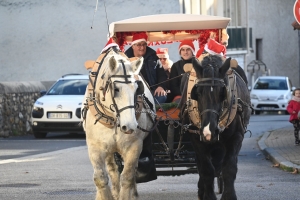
(296, 25)
(299, 55)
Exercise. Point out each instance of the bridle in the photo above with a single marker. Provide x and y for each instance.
(212, 82)
(110, 86)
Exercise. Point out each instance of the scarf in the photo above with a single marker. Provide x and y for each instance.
(296, 98)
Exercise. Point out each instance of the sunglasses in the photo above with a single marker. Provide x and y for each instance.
(162, 59)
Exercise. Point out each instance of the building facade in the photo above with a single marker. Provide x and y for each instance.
(261, 36)
(42, 40)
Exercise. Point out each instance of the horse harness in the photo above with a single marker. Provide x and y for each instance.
(102, 113)
(229, 107)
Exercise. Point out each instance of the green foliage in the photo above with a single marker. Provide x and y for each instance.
(166, 106)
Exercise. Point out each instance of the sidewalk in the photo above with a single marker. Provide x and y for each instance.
(279, 146)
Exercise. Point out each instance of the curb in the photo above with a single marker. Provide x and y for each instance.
(274, 156)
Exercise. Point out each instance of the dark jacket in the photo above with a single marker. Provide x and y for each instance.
(152, 72)
(177, 70)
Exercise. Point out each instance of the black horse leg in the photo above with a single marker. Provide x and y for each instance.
(229, 168)
(205, 169)
(217, 155)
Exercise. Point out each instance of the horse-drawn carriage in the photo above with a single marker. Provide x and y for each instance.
(205, 129)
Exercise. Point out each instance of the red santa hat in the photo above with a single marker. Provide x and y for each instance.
(110, 43)
(139, 37)
(162, 53)
(188, 44)
(215, 48)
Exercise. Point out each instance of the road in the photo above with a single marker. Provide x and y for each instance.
(58, 168)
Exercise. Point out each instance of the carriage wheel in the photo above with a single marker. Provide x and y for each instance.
(220, 184)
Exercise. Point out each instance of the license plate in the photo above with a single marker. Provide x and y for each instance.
(267, 108)
(59, 115)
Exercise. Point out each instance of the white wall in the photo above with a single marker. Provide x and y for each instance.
(42, 40)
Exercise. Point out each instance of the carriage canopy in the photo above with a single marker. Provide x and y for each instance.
(167, 28)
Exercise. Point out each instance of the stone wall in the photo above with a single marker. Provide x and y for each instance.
(16, 101)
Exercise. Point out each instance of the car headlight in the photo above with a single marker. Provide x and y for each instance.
(36, 108)
(281, 97)
(253, 96)
(37, 112)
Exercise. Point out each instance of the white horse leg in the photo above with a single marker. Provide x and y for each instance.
(128, 190)
(101, 179)
(114, 174)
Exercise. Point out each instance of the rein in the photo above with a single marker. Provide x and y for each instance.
(167, 80)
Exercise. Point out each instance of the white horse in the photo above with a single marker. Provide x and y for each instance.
(111, 125)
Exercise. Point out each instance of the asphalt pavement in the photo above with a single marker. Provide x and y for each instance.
(279, 147)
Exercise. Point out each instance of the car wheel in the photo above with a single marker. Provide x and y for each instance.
(257, 112)
(39, 135)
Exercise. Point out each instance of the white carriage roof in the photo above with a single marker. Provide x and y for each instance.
(162, 22)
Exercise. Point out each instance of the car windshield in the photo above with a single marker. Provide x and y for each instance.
(271, 84)
(69, 87)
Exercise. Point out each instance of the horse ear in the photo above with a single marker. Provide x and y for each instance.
(197, 66)
(225, 67)
(113, 63)
(137, 65)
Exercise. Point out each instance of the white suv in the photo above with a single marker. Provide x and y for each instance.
(59, 109)
(271, 93)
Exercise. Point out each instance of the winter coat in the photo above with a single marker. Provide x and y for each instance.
(152, 72)
(293, 106)
(177, 70)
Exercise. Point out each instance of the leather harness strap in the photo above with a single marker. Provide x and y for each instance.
(98, 111)
(228, 112)
(192, 105)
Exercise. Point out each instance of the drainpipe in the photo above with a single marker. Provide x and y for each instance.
(247, 44)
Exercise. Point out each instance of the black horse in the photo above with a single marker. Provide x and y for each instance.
(217, 148)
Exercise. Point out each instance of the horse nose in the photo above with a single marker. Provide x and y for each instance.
(126, 130)
(207, 133)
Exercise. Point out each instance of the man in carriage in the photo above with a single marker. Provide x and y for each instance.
(151, 71)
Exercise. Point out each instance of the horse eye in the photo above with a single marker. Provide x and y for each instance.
(117, 90)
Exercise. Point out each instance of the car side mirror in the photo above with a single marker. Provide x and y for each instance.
(293, 88)
(43, 92)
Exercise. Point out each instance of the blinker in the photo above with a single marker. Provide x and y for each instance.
(140, 89)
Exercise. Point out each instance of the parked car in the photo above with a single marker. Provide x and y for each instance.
(59, 109)
(271, 93)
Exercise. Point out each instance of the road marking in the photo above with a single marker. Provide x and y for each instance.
(42, 156)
